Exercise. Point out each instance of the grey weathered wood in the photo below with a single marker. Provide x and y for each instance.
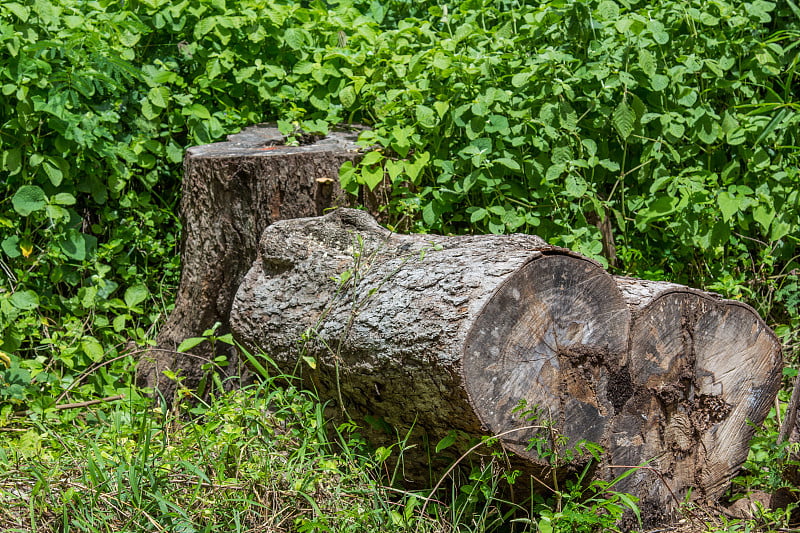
(231, 192)
(702, 368)
(451, 333)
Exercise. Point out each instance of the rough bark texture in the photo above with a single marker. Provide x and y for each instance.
(453, 333)
(231, 192)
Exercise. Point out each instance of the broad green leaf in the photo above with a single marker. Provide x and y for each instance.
(22, 12)
(656, 29)
(608, 10)
(48, 13)
(676, 129)
(25, 300)
(158, 96)
(659, 82)
(728, 205)
(707, 130)
(575, 186)
(63, 198)
(198, 110)
(660, 208)
(554, 171)
(11, 247)
(590, 145)
(371, 176)
(623, 119)
(508, 163)
(478, 215)
(426, 116)
(88, 296)
(347, 96)
(119, 322)
(93, 349)
(190, 343)
(647, 62)
(497, 227)
(174, 152)
(77, 245)
(429, 215)
(659, 183)
(608, 164)
(687, 97)
(441, 61)
(203, 26)
(372, 158)
(479, 109)
(394, 169)
(56, 213)
(446, 442)
(28, 199)
(520, 79)
(780, 229)
(498, 124)
(413, 170)
(227, 339)
(135, 295)
(294, 38)
(12, 161)
(513, 220)
(148, 111)
(441, 108)
(130, 39)
(764, 215)
(347, 174)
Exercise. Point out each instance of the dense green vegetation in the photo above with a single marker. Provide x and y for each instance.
(675, 122)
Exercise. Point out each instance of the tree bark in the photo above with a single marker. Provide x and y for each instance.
(456, 333)
(231, 192)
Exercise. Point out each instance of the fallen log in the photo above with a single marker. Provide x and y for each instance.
(231, 192)
(470, 333)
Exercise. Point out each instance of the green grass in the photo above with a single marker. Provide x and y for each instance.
(257, 459)
(263, 458)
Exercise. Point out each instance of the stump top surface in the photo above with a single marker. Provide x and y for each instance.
(267, 141)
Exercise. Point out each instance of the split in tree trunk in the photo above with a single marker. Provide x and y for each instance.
(454, 333)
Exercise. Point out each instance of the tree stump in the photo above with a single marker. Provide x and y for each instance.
(231, 192)
(467, 333)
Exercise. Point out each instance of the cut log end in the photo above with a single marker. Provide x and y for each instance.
(546, 347)
(703, 370)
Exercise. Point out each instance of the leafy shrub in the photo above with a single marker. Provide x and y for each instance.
(667, 129)
(677, 121)
(100, 99)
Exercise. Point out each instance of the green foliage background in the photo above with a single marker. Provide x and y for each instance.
(676, 121)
